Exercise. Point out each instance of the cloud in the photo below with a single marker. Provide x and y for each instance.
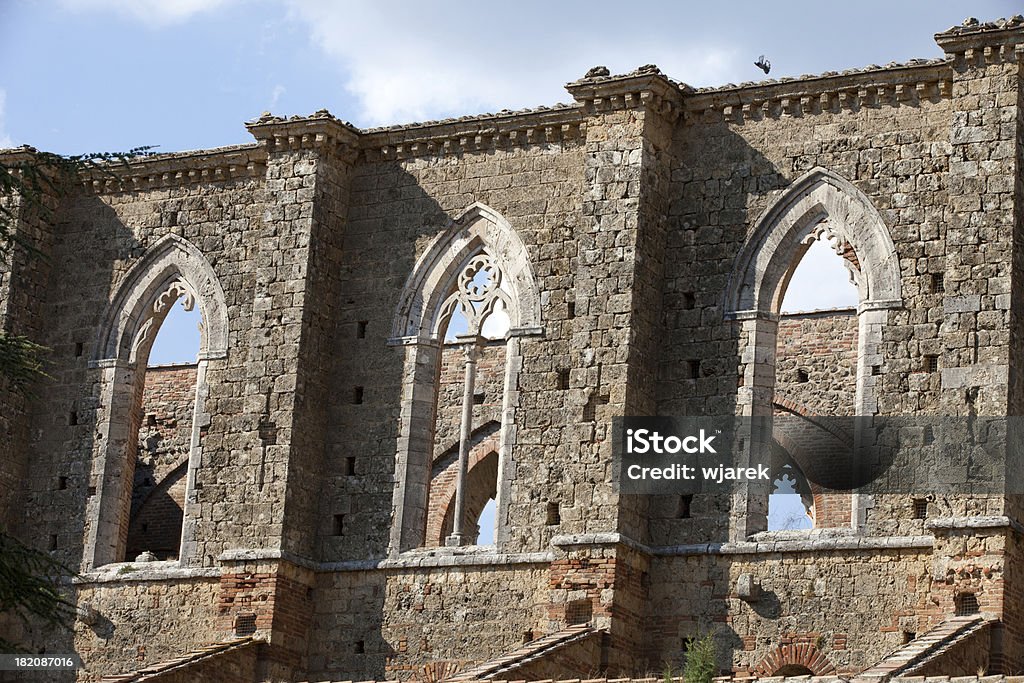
(412, 62)
(275, 96)
(156, 13)
(5, 139)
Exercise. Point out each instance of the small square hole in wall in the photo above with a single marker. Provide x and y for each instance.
(938, 284)
(928, 436)
(802, 376)
(685, 502)
(350, 466)
(79, 349)
(876, 370)
(145, 528)
(931, 363)
(245, 624)
(357, 395)
(338, 525)
(53, 541)
(478, 398)
(689, 300)
(554, 517)
(360, 647)
(579, 612)
(91, 491)
(62, 483)
(908, 636)
(151, 420)
(693, 367)
(571, 306)
(966, 604)
(920, 508)
(563, 379)
(73, 418)
(527, 637)
(590, 409)
(361, 329)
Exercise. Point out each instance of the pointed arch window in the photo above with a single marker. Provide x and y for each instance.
(470, 300)
(819, 203)
(172, 270)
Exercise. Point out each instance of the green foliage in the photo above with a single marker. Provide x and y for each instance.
(30, 587)
(701, 656)
(20, 362)
(33, 175)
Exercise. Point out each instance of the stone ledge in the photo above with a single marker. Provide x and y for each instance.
(262, 554)
(980, 522)
(145, 571)
(443, 557)
(766, 542)
(599, 538)
(802, 545)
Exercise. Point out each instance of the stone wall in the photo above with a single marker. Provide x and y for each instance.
(464, 612)
(852, 606)
(142, 620)
(816, 363)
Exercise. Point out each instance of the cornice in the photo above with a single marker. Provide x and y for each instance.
(875, 86)
(893, 85)
(646, 88)
(989, 39)
(176, 170)
(320, 130)
(543, 125)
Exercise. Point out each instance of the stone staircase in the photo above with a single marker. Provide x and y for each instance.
(225, 661)
(928, 648)
(530, 652)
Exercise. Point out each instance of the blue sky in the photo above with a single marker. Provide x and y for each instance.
(90, 75)
(86, 75)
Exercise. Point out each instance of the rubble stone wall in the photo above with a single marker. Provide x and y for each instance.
(636, 207)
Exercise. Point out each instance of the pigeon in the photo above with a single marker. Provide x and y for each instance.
(763, 64)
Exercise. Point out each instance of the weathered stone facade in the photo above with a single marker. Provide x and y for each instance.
(642, 237)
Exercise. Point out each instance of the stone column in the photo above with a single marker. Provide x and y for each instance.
(759, 334)
(472, 351)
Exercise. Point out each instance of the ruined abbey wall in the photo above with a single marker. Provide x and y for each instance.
(647, 231)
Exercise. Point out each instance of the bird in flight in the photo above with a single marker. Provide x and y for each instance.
(763, 64)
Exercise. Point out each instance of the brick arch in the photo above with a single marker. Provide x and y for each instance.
(443, 483)
(165, 507)
(829, 509)
(804, 655)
